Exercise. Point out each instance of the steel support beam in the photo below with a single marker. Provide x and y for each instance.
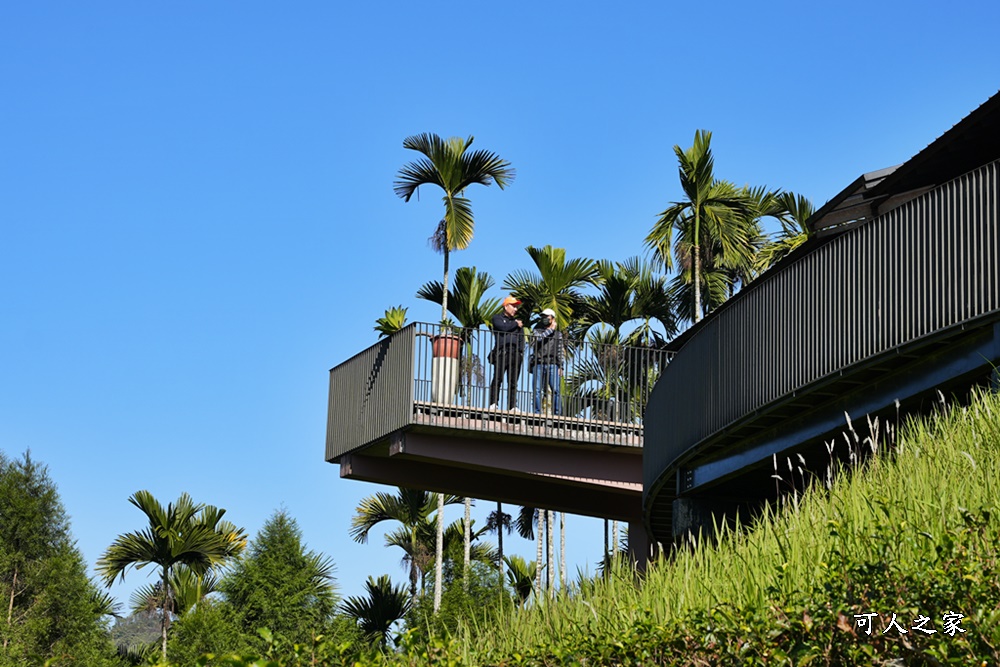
(953, 366)
(549, 492)
(618, 468)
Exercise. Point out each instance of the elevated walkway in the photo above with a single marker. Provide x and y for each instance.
(895, 299)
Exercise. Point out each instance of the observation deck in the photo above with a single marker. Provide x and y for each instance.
(413, 410)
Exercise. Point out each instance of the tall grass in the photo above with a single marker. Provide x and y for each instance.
(908, 525)
(905, 511)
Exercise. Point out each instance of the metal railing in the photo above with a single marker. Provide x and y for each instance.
(925, 267)
(424, 371)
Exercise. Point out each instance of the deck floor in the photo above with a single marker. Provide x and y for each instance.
(530, 424)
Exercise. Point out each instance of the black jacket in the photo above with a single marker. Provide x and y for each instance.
(508, 334)
(547, 346)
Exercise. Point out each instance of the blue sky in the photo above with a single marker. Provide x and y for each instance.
(198, 221)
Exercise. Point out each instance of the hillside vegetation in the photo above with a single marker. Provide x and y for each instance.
(902, 524)
(911, 531)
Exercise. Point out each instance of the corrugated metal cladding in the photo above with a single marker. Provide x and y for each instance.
(371, 394)
(925, 266)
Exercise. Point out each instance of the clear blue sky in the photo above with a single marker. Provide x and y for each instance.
(198, 220)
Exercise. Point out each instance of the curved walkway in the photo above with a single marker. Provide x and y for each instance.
(891, 309)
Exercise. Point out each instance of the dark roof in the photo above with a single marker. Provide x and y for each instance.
(971, 143)
(850, 206)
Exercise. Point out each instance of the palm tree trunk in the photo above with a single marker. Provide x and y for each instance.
(550, 531)
(413, 564)
(697, 284)
(607, 555)
(468, 542)
(562, 550)
(444, 284)
(163, 617)
(614, 535)
(439, 552)
(500, 529)
(539, 554)
(697, 267)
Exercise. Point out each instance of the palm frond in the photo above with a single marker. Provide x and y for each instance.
(383, 605)
(467, 300)
(521, 576)
(485, 167)
(526, 521)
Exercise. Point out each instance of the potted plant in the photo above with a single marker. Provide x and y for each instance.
(446, 351)
(447, 343)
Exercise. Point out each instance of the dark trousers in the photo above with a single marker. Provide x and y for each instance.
(508, 362)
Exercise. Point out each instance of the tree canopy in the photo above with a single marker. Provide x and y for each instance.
(280, 584)
(184, 533)
(50, 608)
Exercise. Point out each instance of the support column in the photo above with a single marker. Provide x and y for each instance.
(640, 548)
(995, 377)
(692, 514)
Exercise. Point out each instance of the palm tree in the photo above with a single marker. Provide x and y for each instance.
(557, 284)
(740, 267)
(614, 374)
(447, 165)
(481, 552)
(613, 380)
(794, 232)
(467, 301)
(562, 550)
(470, 306)
(184, 533)
(384, 605)
(550, 520)
(422, 553)
(186, 589)
(412, 509)
(713, 212)
(530, 524)
(498, 522)
(439, 551)
(521, 576)
(632, 292)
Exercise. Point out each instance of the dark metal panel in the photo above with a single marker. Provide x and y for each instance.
(617, 467)
(961, 360)
(532, 490)
(371, 394)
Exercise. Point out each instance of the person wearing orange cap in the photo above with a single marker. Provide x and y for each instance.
(508, 352)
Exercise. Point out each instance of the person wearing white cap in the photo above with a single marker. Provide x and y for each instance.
(508, 352)
(547, 360)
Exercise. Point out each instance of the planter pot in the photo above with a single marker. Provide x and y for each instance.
(446, 345)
